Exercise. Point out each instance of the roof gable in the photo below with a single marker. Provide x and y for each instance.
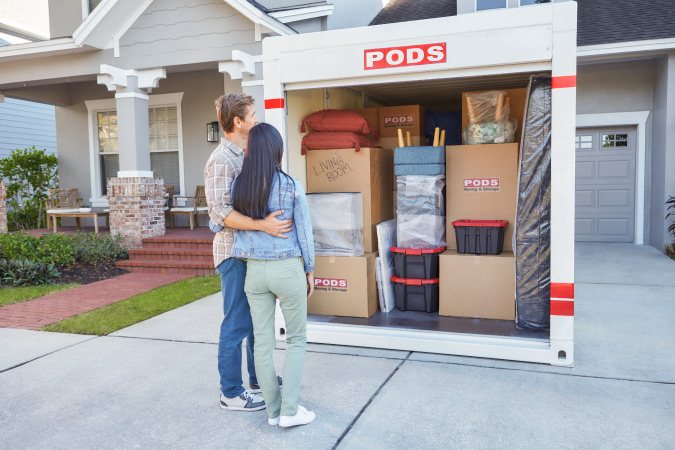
(112, 18)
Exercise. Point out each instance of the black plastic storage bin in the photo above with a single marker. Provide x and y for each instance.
(416, 295)
(480, 237)
(416, 263)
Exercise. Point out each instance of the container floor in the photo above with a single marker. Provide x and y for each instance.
(413, 320)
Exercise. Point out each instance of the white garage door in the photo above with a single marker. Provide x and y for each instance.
(605, 185)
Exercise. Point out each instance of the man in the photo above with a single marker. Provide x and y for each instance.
(236, 116)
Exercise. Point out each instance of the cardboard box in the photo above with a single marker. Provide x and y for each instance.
(369, 171)
(344, 286)
(409, 118)
(490, 172)
(518, 98)
(481, 287)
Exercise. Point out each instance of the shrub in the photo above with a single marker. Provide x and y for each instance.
(92, 248)
(22, 272)
(62, 250)
(54, 248)
(29, 173)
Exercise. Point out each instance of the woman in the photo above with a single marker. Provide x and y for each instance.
(276, 267)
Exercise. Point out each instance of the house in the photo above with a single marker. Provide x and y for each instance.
(625, 144)
(134, 83)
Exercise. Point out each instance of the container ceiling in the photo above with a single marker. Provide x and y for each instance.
(441, 90)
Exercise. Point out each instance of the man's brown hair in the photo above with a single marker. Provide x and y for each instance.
(229, 106)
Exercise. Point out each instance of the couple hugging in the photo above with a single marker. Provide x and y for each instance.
(263, 249)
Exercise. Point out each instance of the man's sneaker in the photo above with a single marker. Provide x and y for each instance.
(246, 401)
(255, 388)
(302, 417)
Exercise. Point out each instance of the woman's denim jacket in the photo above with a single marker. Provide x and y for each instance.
(288, 195)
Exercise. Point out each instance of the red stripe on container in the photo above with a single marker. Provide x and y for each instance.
(562, 308)
(274, 103)
(414, 281)
(564, 82)
(417, 251)
(562, 290)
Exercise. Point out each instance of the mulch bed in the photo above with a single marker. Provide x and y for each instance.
(88, 273)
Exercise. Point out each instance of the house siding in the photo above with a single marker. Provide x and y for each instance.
(26, 124)
(174, 32)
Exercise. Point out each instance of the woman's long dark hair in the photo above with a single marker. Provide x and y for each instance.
(251, 192)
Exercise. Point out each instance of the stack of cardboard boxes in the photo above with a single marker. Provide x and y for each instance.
(482, 182)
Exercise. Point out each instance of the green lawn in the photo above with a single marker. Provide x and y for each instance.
(9, 295)
(138, 308)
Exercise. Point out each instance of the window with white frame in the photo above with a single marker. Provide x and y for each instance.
(164, 148)
(165, 143)
(482, 5)
(532, 2)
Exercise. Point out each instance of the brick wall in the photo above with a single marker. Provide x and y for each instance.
(3, 207)
(136, 209)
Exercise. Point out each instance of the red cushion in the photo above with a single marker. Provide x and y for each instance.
(339, 120)
(327, 140)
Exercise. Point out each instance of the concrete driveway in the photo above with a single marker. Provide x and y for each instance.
(155, 384)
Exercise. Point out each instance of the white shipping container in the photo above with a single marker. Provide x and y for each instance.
(431, 62)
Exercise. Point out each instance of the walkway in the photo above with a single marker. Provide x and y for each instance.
(52, 308)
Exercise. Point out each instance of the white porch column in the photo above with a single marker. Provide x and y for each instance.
(131, 89)
(248, 69)
(135, 197)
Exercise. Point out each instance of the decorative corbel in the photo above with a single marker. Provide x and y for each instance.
(242, 63)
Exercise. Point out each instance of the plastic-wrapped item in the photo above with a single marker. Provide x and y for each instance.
(490, 132)
(337, 222)
(420, 211)
(386, 239)
(485, 107)
(532, 234)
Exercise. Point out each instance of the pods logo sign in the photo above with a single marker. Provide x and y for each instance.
(412, 55)
(329, 282)
(400, 121)
(481, 184)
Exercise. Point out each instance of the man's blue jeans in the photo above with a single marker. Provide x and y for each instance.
(236, 326)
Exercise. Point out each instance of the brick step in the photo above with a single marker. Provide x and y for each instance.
(164, 266)
(171, 254)
(165, 242)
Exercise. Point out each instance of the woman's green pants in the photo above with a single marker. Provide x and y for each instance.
(265, 281)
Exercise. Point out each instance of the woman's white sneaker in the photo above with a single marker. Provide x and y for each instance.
(302, 417)
(274, 422)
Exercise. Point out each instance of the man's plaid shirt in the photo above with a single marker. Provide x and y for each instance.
(223, 165)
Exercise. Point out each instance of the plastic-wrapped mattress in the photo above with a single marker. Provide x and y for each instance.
(420, 211)
(532, 234)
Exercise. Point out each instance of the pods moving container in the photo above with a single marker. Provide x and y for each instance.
(431, 63)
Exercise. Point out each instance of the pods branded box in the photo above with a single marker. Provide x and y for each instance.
(481, 184)
(344, 286)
